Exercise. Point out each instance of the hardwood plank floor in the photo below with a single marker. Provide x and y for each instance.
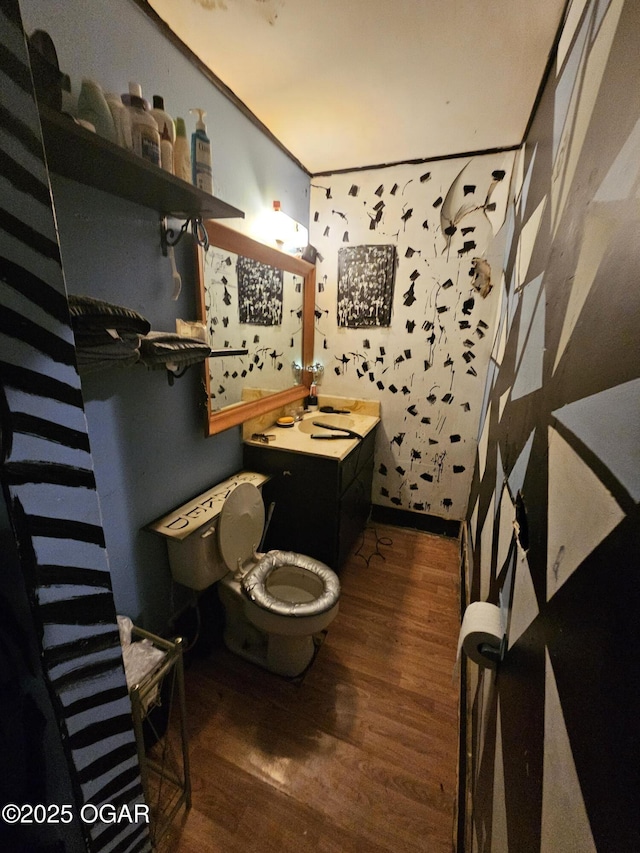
(360, 756)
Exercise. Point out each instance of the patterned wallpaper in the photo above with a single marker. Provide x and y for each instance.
(555, 732)
(400, 318)
(63, 682)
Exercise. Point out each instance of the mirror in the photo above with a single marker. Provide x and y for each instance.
(253, 297)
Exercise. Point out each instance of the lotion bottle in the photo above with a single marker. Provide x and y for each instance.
(201, 155)
(167, 131)
(144, 132)
(93, 107)
(181, 156)
(121, 120)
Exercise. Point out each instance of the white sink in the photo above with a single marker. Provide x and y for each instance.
(315, 423)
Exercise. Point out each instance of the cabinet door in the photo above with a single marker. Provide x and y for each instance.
(355, 504)
(304, 491)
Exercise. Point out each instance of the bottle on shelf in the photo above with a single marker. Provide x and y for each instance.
(121, 120)
(181, 155)
(93, 108)
(202, 176)
(135, 89)
(167, 131)
(144, 132)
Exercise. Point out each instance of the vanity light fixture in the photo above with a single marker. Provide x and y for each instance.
(289, 236)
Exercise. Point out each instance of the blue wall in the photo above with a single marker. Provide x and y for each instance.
(147, 437)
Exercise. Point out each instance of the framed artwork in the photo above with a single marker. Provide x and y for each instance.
(259, 292)
(366, 277)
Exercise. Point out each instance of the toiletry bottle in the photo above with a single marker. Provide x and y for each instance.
(201, 155)
(144, 132)
(135, 89)
(181, 156)
(167, 131)
(93, 107)
(121, 120)
(166, 151)
(312, 399)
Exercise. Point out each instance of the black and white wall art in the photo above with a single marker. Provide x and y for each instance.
(365, 285)
(260, 292)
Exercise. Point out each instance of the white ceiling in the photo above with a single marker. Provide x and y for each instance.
(352, 83)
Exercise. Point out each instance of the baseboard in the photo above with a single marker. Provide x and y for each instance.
(415, 520)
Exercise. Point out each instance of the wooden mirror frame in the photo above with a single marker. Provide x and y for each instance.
(235, 414)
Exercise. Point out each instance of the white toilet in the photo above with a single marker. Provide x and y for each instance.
(274, 603)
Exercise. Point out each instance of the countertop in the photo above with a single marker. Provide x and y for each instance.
(363, 417)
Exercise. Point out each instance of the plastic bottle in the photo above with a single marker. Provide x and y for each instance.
(181, 156)
(135, 89)
(163, 118)
(93, 107)
(201, 154)
(144, 132)
(166, 151)
(167, 131)
(312, 399)
(121, 120)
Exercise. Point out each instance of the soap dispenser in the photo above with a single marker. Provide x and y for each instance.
(201, 154)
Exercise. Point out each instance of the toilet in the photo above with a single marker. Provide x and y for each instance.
(274, 603)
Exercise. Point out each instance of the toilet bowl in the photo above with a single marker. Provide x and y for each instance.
(274, 603)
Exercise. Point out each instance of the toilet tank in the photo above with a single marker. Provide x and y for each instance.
(190, 531)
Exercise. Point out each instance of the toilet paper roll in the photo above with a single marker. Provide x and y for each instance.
(482, 623)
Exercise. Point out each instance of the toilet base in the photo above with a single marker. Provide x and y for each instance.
(286, 656)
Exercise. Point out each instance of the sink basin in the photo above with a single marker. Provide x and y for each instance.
(309, 425)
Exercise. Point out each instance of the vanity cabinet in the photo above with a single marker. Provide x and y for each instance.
(321, 504)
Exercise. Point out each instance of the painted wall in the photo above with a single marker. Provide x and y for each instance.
(66, 732)
(147, 437)
(555, 732)
(427, 362)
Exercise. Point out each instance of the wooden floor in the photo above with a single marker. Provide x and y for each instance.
(360, 756)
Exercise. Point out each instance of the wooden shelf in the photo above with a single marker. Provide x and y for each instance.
(82, 156)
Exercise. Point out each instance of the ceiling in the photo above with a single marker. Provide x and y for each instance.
(346, 84)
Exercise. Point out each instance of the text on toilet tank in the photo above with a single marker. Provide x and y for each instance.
(189, 517)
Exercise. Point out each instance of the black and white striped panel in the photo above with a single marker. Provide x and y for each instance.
(47, 471)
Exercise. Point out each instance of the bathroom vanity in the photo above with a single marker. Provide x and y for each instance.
(321, 489)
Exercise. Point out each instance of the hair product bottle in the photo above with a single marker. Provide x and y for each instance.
(181, 156)
(167, 131)
(201, 154)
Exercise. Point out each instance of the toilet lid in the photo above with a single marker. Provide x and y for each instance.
(241, 525)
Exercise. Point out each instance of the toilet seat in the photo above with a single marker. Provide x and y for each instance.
(256, 584)
(315, 587)
(240, 526)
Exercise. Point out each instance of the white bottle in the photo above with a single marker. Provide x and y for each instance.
(121, 120)
(181, 156)
(201, 155)
(144, 132)
(134, 89)
(167, 131)
(93, 107)
(163, 118)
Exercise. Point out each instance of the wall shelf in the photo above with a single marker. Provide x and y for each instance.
(82, 156)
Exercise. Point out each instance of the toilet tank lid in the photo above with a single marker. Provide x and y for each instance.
(191, 516)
